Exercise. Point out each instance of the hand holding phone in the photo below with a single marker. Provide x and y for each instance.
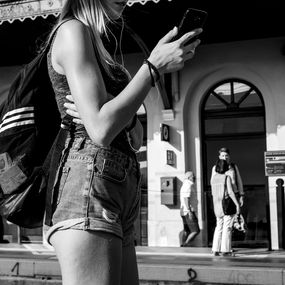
(191, 20)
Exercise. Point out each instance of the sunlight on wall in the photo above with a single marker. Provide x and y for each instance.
(281, 136)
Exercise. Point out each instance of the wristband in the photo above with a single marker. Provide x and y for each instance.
(151, 68)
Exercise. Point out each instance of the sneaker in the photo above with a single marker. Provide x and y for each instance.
(215, 253)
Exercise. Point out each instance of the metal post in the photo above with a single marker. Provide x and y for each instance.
(280, 211)
(19, 235)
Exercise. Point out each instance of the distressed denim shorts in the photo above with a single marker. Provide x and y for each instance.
(97, 189)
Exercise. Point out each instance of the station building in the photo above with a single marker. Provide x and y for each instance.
(230, 94)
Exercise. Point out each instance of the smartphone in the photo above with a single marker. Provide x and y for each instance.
(191, 20)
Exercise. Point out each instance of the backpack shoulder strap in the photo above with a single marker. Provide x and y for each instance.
(138, 40)
(160, 85)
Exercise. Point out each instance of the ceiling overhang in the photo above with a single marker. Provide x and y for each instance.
(11, 10)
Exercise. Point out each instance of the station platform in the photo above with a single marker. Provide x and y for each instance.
(37, 264)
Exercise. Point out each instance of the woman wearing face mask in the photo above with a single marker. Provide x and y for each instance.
(96, 191)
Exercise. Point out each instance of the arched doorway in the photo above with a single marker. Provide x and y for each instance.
(233, 116)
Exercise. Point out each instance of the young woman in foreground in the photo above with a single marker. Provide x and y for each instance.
(96, 192)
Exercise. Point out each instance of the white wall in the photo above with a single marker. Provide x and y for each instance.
(261, 63)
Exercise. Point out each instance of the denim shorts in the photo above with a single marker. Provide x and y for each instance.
(97, 188)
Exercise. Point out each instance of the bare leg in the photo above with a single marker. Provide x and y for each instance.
(191, 227)
(186, 231)
(191, 237)
(184, 237)
(88, 257)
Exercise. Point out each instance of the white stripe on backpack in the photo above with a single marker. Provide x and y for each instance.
(17, 124)
(18, 117)
(20, 110)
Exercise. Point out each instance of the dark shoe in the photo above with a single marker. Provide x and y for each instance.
(215, 253)
(4, 241)
(25, 239)
(228, 254)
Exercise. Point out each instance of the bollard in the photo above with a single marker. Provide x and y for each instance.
(280, 210)
(19, 235)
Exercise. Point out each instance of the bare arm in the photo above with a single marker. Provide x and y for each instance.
(73, 55)
(213, 173)
(187, 203)
(239, 181)
(239, 186)
(135, 133)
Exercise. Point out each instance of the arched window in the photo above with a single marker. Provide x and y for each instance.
(233, 116)
(233, 107)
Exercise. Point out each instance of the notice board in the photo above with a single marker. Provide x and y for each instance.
(274, 163)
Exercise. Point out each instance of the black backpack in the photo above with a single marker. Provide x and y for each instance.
(31, 139)
(29, 124)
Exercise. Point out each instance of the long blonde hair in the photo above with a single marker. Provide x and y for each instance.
(94, 14)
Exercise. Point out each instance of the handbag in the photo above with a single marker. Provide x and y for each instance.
(229, 206)
(192, 221)
(239, 224)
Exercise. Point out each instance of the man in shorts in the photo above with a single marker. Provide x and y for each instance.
(190, 222)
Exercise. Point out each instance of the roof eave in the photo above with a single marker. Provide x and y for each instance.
(11, 10)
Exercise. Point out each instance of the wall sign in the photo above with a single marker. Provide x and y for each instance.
(170, 157)
(274, 163)
(164, 130)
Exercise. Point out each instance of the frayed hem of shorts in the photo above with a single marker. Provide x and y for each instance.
(85, 224)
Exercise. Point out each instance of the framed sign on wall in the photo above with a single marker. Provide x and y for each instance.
(170, 157)
(274, 163)
(164, 131)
